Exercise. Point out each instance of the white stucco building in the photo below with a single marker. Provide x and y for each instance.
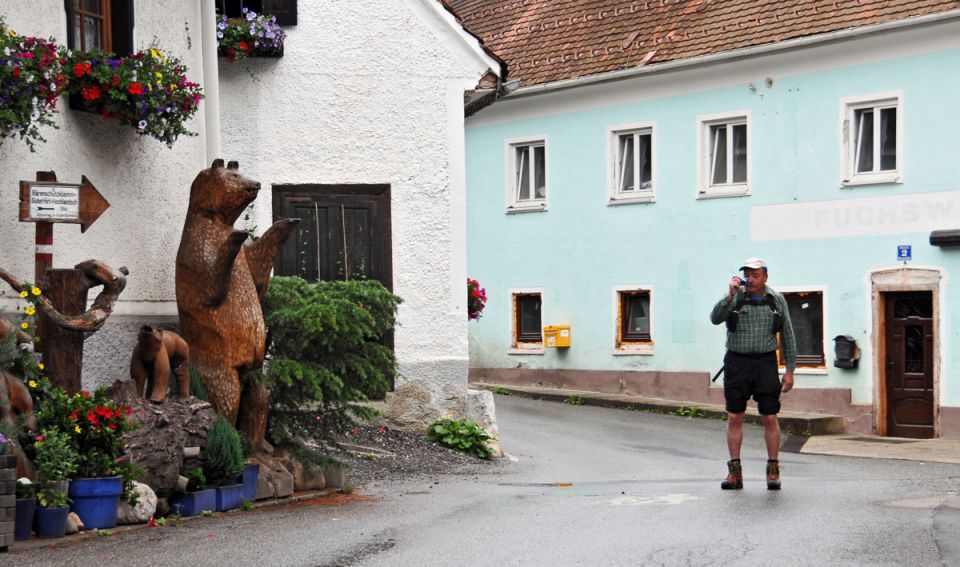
(367, 96)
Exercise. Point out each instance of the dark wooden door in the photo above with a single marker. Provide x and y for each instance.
(909, 364)
(344, 232)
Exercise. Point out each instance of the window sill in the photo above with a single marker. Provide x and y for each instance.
(627, 199)
(806, 371)
(535, 207)
(533, 348)
(717, 193)
(642, 349)
(878, 179)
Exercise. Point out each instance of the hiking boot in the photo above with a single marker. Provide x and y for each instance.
(773, 475)
(734, 478)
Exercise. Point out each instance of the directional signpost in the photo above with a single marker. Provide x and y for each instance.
(46, 202)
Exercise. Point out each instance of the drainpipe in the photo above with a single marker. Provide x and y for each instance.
(211, 79)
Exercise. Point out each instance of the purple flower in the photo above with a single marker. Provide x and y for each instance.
(114, 63)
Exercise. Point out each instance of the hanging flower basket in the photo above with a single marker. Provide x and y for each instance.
(148, 90)
(252, 35)
(476, 299)
(31, 79)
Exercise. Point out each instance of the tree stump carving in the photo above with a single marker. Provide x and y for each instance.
(219, 281)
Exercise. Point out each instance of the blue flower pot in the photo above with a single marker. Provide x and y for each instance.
(192, 503)
(50, 522)
(229, 497)
(95, 500)
(23, 522)
(251, 473)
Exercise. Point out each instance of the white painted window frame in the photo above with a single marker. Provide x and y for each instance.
(631, 349)
(827, 347)
(848, 136)
(705, 187)
(614, 195)
(513, 204)
(517, 347)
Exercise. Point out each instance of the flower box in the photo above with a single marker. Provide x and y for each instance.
(229, 497)
(250, 35)
(249, 478)
(192, 503)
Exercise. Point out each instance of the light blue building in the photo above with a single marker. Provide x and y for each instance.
(647, 153)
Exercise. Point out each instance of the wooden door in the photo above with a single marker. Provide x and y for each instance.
(344, 232)
(909, 364)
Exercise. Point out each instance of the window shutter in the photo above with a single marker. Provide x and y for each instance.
(121, 12)
(284, 10)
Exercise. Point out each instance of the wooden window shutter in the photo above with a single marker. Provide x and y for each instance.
(284, 10)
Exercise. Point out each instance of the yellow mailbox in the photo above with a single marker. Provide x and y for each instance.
(557, 336)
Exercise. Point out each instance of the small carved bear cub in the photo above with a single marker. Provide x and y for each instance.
(159, 351)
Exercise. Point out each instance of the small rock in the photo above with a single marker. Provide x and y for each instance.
(74, 523)
(145, 509)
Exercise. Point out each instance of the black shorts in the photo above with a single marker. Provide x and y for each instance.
(754, 375)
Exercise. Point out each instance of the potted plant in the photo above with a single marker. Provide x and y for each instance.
(251, 35)
(251, 472)
(26, 505)
(224, 461)
(148, 90)
(98, 425)
(56, 461)
(31, 81)
(197, 497)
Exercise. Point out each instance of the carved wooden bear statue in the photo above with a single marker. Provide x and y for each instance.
(159, 351)
(220, 279)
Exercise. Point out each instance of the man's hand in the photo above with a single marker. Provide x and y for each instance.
(734, 286)
(787, 381)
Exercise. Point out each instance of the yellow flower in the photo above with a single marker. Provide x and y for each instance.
(30, 310)
(158, 75)
(156, 53)
(24, 294)
(24, 325)
(35, 290)
(32, 383)
(76, 429)
(40, 366)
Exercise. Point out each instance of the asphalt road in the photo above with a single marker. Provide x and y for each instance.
(586, 486)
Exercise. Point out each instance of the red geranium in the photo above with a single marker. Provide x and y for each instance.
(135, 88)
(476, 299)
(90, 94)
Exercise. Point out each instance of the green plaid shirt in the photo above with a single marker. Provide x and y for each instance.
(754, 332)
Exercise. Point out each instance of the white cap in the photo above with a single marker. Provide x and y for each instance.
(753, 264)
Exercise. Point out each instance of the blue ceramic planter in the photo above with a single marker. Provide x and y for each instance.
(95, 500)
(192, 503)
(229, 497)
(50, 522)
(251, 473)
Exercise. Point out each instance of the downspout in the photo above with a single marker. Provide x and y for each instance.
(211, 79)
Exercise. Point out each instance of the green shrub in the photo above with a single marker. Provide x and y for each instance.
(574, 400)
(196, 480)
(325, 357)
(224, 453)
(56, 461)
(463, 435)
(197, 388)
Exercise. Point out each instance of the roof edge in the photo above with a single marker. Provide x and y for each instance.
(469, 40)
(742, 53)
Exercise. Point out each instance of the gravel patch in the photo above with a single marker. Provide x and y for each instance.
(379, 455)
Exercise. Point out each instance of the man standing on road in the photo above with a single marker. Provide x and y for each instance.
(754, 314)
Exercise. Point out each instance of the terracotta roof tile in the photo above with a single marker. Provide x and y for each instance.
(551, 40)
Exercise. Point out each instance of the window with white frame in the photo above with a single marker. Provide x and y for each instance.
(872, 135)
(631, 164)
(724, 155)
(633, 321)
(527, 320)
(527, 174)
(806, 315)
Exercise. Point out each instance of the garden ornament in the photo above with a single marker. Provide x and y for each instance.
(158, 352)
(220, 279)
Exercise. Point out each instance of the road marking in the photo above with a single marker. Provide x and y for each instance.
(639, 500)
